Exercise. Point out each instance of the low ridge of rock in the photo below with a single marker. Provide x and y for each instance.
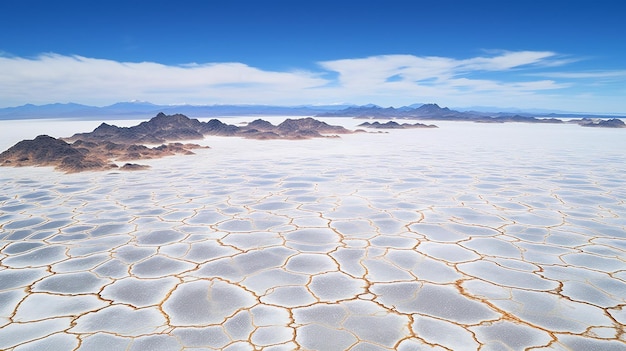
(98, 149)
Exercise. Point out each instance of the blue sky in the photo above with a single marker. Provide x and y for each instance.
(565, 55)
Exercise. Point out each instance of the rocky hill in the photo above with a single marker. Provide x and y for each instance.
(82, 155)
(395, 125)
(157, 130)
(434, 112)
(162, 128)
(600, 123)
(426, 111)
(101, 148)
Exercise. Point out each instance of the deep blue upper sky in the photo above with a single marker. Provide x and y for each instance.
(276, 33)
(298, 35)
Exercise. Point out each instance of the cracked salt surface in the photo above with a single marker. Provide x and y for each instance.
(470, 236)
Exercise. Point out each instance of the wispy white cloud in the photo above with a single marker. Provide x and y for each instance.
(53, 77)
(440, 77)
(490, 85)
(415, 68)
(584, 75)
(494, 78)
(506, 60)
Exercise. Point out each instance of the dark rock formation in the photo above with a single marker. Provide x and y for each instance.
(216, 127)
(83, 155)
(600, 123)
(155, 131)
(432, 112)
(98, 149)
(395, 125)
(519, 119)
(161, 128)
(290, 126)
(45, 150)
(302, 128)
(426, 111)
(133, 167)
(261, 125)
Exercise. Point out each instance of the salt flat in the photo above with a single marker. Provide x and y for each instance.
(469, 236)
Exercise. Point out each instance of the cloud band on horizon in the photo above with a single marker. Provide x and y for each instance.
(512, 78)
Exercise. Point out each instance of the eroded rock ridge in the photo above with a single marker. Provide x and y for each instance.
(99, 149)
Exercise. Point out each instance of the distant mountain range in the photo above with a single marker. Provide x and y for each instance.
(434, 112)
(141, 109)
(145, 109)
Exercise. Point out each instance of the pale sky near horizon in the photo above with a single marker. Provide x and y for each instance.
(561, 55)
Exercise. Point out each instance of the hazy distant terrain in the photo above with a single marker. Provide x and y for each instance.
(145, 109)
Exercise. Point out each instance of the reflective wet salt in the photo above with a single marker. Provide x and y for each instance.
(498, 237)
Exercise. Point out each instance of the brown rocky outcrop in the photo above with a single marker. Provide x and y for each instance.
(100, 148)
(395, 125)
(600, 123)
(162, 128)
(84, 155)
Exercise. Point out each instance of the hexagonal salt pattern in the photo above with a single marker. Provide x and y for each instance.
(503, 237)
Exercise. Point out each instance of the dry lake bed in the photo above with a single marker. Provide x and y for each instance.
(466, 237)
